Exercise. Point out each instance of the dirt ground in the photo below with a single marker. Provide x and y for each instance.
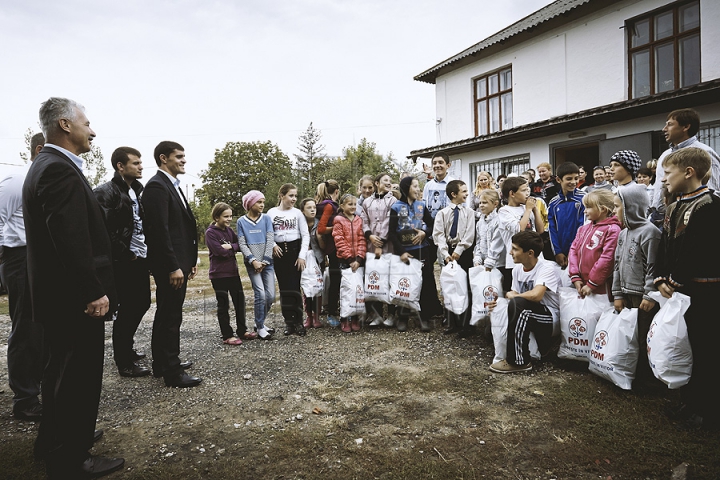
(374, 404)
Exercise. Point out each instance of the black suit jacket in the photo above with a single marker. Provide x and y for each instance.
(68, 247)
(170, 228)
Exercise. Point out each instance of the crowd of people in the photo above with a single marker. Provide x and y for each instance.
(634, 230)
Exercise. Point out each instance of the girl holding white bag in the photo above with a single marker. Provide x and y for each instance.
(350, 248)
(375, 213)
(312, 302)
(410, 222)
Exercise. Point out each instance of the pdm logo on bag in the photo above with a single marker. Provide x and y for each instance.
(373, 280)
(578, 330)
(600, 341)
(650, 334)
(359, 294)
(490, 294)
(403, 288)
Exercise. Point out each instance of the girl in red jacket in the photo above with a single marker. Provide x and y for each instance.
(350, 245)
(592, 254)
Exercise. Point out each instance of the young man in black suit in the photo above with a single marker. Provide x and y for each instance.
(171, 236)
(71, 284)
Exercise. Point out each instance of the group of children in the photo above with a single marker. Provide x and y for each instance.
(602, 244)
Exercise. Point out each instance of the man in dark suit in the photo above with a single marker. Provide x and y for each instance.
(72, 290)
(171, 236)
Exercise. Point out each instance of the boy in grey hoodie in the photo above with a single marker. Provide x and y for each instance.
(637, 247)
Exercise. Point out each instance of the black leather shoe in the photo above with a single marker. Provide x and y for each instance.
(186, 364)
(33, 413)
(96, 467)
(134, 371)
(138, 355)
(97, 435)
(300, 330)
(182, 380)
(289, 329)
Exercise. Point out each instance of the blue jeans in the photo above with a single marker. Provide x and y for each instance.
(263, 285)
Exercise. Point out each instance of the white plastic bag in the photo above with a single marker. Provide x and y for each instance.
(326, 286)
(377, 278)
(499, 326)
(311, 279)
(614, 352)
(668, 345)
(578, 317)
(405, 282)
(453, 281)
(352, 294)
(486, 287)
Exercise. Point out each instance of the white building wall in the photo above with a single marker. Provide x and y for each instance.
(577, 67)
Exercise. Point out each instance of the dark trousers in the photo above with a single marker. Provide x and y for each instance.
(700, 394)
(377, 308)
(643, 373)
(230, 287)
(25, 354)
(132, 282)
(524, 317)
(288, 279)
(71, 390)
(166, 326)
(333, 305)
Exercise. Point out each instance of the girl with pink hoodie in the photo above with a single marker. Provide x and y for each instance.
(592, 255)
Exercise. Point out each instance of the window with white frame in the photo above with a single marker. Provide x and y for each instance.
(500, 166)
(664, 49)
(493, 101)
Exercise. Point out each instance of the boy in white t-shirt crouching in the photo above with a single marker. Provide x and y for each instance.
(533, 303)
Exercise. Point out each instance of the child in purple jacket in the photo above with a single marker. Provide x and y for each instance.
(222, 243)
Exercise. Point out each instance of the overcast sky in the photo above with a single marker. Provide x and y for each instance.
(206, 73)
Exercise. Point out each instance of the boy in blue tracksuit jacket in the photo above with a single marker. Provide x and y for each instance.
(566, 212)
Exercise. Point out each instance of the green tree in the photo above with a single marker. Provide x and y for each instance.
(363, 159)
(94, 166)
(243, 166)
(25, 155)
(311, 164)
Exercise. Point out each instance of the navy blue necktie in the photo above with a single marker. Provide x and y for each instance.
(454, 227)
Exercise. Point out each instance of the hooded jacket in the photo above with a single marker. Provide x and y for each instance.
(637, 246)
(592, 254)
(349, 239)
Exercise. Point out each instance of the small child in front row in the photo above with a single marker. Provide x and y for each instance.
(222, 243)
(591, 259)
(687, 262)
(489, 245)
(312, 304)
(454, 235)
(350, 245)
(533, 303)
(634, 263)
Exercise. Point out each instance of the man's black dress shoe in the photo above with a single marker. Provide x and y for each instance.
(182, 380)
(289, 329)
(184, 365)
(138, 355)
(134, 371)
(96, 467)
(97, 435)
(33, 413)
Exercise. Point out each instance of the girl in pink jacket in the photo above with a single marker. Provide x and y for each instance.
(592, 254)
(350, 246)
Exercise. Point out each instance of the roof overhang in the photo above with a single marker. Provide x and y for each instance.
(688, 97)
(547, 18)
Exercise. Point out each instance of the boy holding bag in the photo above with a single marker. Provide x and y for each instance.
(685, 263)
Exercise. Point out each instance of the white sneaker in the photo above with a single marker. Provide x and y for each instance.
(376, 320)
(389, 321)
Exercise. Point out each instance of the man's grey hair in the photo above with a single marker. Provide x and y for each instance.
(53, 110)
